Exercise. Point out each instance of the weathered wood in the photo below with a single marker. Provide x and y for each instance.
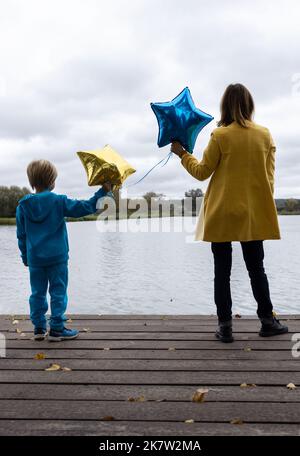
(141, 428)
(150, 411)
(163, 358)
(124, 317)
(145, 335)
(156, 378)
(168, 393)
(153, 365)
(58, 353)
(261, 344)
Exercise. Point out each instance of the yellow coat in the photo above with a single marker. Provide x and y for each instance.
(238, 204)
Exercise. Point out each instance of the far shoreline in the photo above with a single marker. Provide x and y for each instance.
(11, 221)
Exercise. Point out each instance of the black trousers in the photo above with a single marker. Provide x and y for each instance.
(253, 253)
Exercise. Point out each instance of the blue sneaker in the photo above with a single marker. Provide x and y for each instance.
(40, 333)
(64, 334)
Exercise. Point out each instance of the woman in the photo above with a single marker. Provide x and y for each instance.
(238, 204)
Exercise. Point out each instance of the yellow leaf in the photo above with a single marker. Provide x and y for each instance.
(136, 399)
(199, 395)
(189, 421)
(247, 385)
(172, 349)
(53, 367)
(106, 348)
(15, 322)
(40, 356)
(291, 386)
(108, 418)
(18, 331)
(86, 329)
(66, 369)
(237, 421)
(22, 334)
(247, 349)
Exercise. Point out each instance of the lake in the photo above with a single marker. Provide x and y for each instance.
(153, 272)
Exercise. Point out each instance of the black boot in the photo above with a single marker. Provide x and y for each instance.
(224, 331)
(272, 327)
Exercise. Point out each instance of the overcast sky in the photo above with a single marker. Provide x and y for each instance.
(78, 74)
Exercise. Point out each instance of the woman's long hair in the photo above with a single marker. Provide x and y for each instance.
(236, 105)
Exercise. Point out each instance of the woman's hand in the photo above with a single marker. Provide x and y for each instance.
(177, 149)
(107, 186)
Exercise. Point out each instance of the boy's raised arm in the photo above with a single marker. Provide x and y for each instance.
(80, 208)
(21, 235)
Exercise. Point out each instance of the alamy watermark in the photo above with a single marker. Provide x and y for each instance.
(2, 346)
(295, 79)
(133, 215)
(296, 346)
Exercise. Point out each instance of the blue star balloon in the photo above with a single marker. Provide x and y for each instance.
(180, 120)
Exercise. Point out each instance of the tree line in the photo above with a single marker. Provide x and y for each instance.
(10, 196)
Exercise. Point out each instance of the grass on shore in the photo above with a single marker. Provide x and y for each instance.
(91, 218)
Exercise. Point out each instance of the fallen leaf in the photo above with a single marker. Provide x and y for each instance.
(67, 369)
(172, 348)
(22, 334)
(15, 322)
(291, 386)
(238, 316)
(40, 356)
(247, 349)
(69, 320)
(247, 385)
(86, 329)
(53, 367)
(237, 421)
(108, 418)
(199, 395)
(189, 421)
(106, 348)
(18, 331)
(137, 399)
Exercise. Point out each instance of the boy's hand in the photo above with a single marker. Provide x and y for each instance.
(107, 186)
(177, 149)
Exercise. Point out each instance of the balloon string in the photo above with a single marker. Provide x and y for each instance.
(166, 159)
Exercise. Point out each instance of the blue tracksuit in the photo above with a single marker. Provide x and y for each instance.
(43, 242)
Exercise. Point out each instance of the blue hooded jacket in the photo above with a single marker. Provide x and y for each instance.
(41, 227)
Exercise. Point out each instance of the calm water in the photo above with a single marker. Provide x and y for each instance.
(158, 272)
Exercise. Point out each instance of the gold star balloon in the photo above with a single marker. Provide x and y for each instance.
(105, 165)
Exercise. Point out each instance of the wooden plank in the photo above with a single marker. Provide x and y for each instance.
(141, 428)
(144, 335)
(156, 378)
(58, 353)
(261, 344)
(153, 365)
(131, 317)
(150, 411)
(57, 392)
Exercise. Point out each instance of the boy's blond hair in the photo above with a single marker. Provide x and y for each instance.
(41, 174)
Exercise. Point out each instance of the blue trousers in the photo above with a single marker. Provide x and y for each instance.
(55, 279)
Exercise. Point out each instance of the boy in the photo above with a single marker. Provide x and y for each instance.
(43, 242)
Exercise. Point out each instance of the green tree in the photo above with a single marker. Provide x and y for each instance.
(9, 198)
(292, 204)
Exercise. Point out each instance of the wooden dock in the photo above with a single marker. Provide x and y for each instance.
(136, 375)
